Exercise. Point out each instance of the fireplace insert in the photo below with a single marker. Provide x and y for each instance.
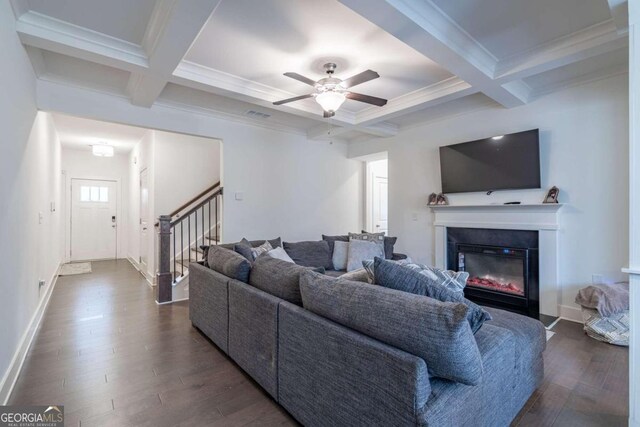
(502, 267)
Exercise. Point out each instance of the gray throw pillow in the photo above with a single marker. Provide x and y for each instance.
(361, 250)
(340, 255)
(395, 276)
(435, 331)
(369, 267)
(453, 280)
(244, 248)
(278, 278)
(310, 254)
(332, 239)
(229, 263)
(389, 243)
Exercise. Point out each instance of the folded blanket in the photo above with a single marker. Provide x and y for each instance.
(607, 299)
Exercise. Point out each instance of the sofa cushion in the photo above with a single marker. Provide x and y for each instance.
(277, 242)
(389, 243)
(437, 332)
(396, 276)
(229, 263)
(361, 250)
(310, 254)
(340, 255)
(278, 278)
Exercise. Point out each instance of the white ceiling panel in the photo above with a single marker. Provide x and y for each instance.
(122, 19)
(508, 27)
(260, 40)
(80, 134)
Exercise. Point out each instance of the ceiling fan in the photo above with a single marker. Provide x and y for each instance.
(331, 92)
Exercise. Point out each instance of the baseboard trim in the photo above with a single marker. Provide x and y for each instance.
(15, 367)
(572, 314)
(136, 265)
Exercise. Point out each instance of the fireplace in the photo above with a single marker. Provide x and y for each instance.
(502, 267)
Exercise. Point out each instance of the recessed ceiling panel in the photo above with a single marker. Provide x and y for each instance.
(508, 27)
(123, 19)
(261, 40)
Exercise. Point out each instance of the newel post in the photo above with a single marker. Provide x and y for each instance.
(164, 276)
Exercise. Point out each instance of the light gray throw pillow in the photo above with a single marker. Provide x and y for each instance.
(435, 331)
(340, 255)
(279, 253)
(361, 250)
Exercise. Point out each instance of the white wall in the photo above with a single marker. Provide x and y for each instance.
(184, 167)
(30, 177)
(584, 151)
(292, 187)
(82, 164)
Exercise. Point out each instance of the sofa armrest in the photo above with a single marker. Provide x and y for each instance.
(398, 257)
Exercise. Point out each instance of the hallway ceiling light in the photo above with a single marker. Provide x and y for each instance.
(102, 150)
(497, 138)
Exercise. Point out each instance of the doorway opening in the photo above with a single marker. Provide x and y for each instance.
(377, 196)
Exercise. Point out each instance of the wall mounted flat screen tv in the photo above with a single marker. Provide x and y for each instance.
(504, 162)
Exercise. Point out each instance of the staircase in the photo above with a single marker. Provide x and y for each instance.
(181, 235)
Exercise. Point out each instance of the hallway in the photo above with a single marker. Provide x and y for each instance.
(111, 356)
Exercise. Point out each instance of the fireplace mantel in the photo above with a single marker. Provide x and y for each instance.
(545, 218)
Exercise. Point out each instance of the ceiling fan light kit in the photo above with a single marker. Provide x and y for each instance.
(331, 92)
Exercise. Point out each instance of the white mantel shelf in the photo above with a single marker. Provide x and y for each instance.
(546, 206)
(541, 216)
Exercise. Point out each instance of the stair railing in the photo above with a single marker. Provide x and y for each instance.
(180, 236)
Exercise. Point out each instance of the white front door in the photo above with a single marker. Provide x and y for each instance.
(93, 219)
(144, 220)
(380, 208)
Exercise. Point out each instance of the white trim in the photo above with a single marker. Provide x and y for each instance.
(570, 313)
(15, 367)
(136, 265)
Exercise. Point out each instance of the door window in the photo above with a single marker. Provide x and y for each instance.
(94, 194)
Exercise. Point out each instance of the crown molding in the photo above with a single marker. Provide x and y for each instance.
(578, 81)
(437, 93)
(156, 25)
(44, 32)
(594, 40)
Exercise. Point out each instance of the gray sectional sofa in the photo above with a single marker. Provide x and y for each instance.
(331, 370)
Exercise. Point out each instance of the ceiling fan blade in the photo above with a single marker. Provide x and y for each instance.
(366, 98)
(364, 76)
(296, 98)
(327, 114)
(301, 78)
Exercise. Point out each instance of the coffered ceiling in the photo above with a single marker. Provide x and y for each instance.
(226, 58)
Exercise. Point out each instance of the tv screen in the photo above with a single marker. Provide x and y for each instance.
(497, 163)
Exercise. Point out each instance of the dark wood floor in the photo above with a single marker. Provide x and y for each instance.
(113, 357)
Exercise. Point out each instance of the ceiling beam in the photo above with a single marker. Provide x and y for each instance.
(172, 29)
(589, 42)
(620, 13)
(44, 32)
(428, 30)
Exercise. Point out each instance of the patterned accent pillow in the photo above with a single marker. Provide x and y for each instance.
(377, 238)
(368, 265)
(279, 253)
(263, 248)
